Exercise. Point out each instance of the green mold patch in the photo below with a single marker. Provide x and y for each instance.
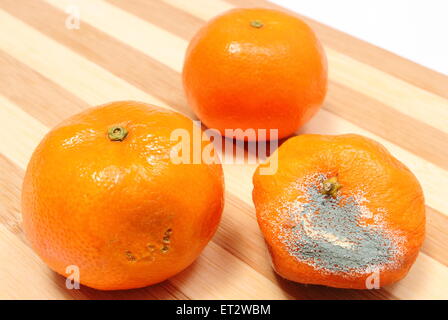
(326, 231)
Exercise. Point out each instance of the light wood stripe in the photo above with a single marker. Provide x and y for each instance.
(18, 142)
(421, 281)
(135, 31)
(168, 17)
(436, 242)
(10, 186)
(203, 9)
(85, 78)
(395, 93)
(160, 84)
(223, 278)
(421, 139)
(36, 94)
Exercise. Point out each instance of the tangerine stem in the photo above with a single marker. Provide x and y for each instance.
(330, 186)
(117, 133)
(256, 24)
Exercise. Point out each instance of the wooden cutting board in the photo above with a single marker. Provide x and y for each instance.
(134, 49)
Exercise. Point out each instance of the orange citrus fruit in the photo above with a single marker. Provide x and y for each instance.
(340, 211)
(101, 193)
(255, 69)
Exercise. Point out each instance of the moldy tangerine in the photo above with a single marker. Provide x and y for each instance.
(101, 193)
(339, 210)
(255, 69)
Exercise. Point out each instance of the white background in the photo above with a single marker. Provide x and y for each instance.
(414, 29)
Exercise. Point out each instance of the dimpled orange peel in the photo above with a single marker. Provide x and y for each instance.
(340, 211)
(102, 194)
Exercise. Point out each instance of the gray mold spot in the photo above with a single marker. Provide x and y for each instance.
(328, 236)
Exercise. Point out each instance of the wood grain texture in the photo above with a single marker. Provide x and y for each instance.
(134, 49)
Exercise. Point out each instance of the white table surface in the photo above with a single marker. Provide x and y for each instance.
(414, 29)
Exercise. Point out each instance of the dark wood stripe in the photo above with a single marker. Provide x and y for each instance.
(436, 242)
(161, 14)
(36, 94)
(416, 136)
(161, 291)
(120, 59)
(367, 53)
